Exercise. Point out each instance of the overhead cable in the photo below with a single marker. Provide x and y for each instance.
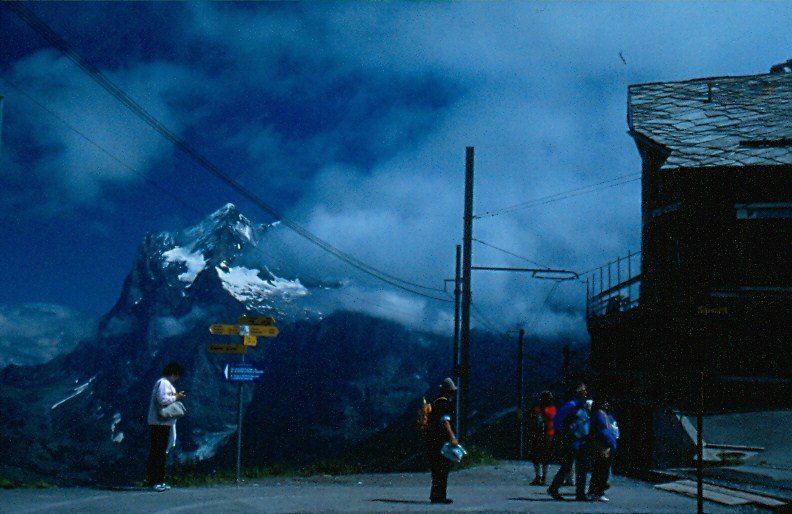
(591, 188)
(97, 76)
(512, 254)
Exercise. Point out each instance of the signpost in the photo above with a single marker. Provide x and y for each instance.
(256, 320)
(249, 328)
(226, 348)
(244, 330)
(263, 331)
(242, 372)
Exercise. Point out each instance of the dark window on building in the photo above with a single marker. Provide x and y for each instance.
(753, 211)
(765, 252)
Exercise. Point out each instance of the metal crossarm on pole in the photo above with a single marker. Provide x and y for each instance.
(539, 273)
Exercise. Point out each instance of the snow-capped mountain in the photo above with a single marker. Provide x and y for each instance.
(330, 380)
(84, 412)
(221, 256)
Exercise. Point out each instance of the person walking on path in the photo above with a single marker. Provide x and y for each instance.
(542, 432)
(440, 432)
(571, 425)
(603, 448)
(162, 430)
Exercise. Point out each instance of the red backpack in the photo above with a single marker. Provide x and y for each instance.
(422, 417)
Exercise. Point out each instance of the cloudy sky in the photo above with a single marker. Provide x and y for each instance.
(352, 120)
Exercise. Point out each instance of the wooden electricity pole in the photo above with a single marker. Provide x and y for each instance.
(464, 331)
(466, 294)
(456, 370)
(520, 399)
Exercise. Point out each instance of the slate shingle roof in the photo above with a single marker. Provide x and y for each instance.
(722, 121)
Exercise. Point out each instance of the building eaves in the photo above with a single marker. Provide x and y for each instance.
(718, 121)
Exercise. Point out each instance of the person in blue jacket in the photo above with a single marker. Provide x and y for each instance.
(569, 420)
(603, 448)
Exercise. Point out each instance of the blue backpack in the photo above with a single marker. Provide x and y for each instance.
(579, 424)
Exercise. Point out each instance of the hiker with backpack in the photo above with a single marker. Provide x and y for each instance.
(438, 432)
(541, 435)
(602, 447)
(572, 424)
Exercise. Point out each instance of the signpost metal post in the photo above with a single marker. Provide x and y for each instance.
(248, 328)
(239, 435)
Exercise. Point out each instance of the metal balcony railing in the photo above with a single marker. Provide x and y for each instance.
(614, 287)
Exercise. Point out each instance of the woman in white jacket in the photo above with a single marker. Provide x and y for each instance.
(164, 393)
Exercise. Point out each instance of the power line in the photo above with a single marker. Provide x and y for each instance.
(98, 146)
(118, 160)
(481, 318)
(605, 184)
(510, 253)
(97, 76)
(544, 304)
(112, 156)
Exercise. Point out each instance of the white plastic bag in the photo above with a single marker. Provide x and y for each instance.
(172, 411)
(453, 453)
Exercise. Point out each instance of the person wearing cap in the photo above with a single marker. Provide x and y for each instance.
(440, 432)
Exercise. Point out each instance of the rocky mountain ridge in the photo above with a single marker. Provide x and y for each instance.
(84, 412)
(331, 381)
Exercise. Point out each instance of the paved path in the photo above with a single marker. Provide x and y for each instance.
(499, 488)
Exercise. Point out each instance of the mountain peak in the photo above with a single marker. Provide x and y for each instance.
(227, 216)
(220, 236)
(227, 212)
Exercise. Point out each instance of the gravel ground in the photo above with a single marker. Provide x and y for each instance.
(498, 488)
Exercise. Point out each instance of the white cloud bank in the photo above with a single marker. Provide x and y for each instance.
(539, 89)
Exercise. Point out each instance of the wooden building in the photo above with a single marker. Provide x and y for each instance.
(711, 290)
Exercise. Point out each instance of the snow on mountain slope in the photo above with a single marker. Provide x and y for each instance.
(194, 261)
(246, 285)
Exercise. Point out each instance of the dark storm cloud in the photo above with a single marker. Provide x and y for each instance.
(353, 119)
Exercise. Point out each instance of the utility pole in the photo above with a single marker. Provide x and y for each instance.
(520, 398)
(467, 239)
(457, 371)
(466, 294)
(700, 443)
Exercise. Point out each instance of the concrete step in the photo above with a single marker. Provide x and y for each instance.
(709, 494)
(757, 499)
(722, 495)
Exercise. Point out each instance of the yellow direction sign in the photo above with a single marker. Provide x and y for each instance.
(244, 330)
(224, 330)
(226, 348)
(256, 320)
(261, 330)
(249, 341)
